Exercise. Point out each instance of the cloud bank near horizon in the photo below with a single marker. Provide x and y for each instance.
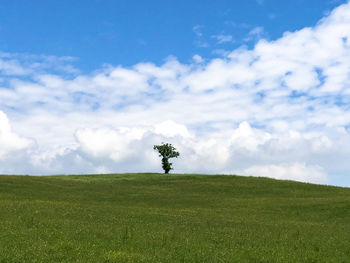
(279, 110)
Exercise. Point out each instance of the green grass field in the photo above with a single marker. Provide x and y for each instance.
(174, 218)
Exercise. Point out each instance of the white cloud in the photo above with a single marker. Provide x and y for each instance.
(247, 137)
(9, 141)
(221, 39)
(199, 40)
(283, 102)
(197, 30)
(297, 171)
(113, 144)
(171, 129)
(197, 58)
(11, 67)
(256, 34)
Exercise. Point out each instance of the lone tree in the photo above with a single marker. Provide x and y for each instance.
(166, 151)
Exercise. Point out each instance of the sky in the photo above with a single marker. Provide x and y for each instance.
(254, 87)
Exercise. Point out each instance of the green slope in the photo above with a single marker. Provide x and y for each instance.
(175, 218)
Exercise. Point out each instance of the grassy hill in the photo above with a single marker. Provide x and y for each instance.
(175, 218)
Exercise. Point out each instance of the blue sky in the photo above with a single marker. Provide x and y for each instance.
(256, 87)
(128, 32)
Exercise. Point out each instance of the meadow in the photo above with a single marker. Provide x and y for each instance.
(171, 218)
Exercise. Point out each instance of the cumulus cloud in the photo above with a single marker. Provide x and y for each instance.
(297, 171)
(171, 129)
(197, 59)
(280, 108)
(9, 141)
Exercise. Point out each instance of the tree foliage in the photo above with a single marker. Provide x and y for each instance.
(166, 151)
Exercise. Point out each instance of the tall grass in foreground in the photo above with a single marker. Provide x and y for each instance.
(175, 218)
